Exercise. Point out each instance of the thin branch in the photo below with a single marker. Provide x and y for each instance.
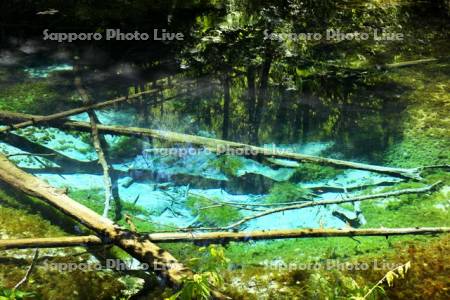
(99, 145)
(329, 202)
(29, 270)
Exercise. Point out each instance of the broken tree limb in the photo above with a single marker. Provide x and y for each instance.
(99, 144)
(244, 236)
(54, 242)
(222, 146)
(145, 251)
(329, 202)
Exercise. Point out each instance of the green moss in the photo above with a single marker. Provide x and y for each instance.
(214, 216)
(228, 164)
(30, 97)
(125, 147)
(287, 192)
(314, 172)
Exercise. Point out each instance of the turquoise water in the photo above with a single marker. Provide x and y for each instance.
(349, 100)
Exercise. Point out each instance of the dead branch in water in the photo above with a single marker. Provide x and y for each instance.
(223, 236)
(145, 251)
(216, 145)
(245, 236)
(323, 203)
(99, 144)
(75, 111)
(55, 242)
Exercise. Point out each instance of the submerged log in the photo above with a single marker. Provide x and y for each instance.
(54, 242)
(222, 146)
(243, 236)
(142, 249)
(223, 236)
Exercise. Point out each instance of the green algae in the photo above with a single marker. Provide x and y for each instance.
(210, 215)
(125, 147)
(228, 164)
(35, 96)
(314, 172)
(25, 217)
(287, 192)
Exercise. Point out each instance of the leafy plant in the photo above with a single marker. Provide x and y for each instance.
(200, 285)
(389, 278)
(13, 294)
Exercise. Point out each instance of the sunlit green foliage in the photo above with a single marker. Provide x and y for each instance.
(13, 294)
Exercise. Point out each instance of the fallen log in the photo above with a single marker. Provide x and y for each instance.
(223, 236)
(226, 236)
(221, 146)
(55, 242)
(327, 202)
(142, 249)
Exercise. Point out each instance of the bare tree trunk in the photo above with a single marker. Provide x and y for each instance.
(262, 95)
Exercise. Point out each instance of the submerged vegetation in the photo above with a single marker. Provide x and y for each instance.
(238, 76)
(287, 192)
(210, 214)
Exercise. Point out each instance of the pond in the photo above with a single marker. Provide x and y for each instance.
(327, 116)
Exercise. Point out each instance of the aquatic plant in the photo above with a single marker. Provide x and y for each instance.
(389, 277)
(287, 192)
(228, 164)
(14, 294)
(125, 147)
(36, 96)
(314, 172)
(209, 214)
(200, 286)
